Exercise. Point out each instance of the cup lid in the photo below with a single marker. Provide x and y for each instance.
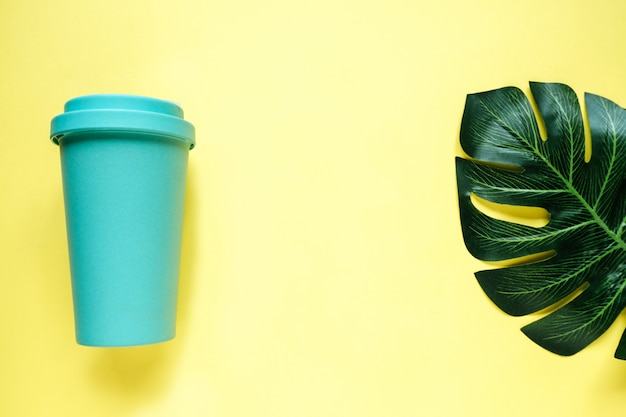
(122, 112)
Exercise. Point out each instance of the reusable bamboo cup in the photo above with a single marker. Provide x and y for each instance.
(124, 167)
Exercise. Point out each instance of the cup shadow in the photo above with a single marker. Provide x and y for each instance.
(141, 374)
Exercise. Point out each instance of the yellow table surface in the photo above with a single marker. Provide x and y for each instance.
(323, 268)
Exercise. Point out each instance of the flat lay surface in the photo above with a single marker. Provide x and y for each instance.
(323, 269)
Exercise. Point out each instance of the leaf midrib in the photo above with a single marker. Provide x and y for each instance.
(592, 211)
(568, 185)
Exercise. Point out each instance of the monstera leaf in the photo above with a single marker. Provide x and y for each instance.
(576, 263)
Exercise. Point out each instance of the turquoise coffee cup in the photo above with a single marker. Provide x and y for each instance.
(124, 166)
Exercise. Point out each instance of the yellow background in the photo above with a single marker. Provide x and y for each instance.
(323, 269)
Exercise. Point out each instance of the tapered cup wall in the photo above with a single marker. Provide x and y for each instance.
(124, 199)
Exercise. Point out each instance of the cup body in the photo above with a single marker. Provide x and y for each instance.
(124, 192)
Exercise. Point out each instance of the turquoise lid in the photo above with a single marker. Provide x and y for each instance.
(122, 112)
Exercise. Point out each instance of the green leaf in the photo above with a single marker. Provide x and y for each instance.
(578, 262)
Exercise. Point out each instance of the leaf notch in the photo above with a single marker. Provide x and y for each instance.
(509, 163)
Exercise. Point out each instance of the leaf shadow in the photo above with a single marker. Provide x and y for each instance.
(611, 377)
